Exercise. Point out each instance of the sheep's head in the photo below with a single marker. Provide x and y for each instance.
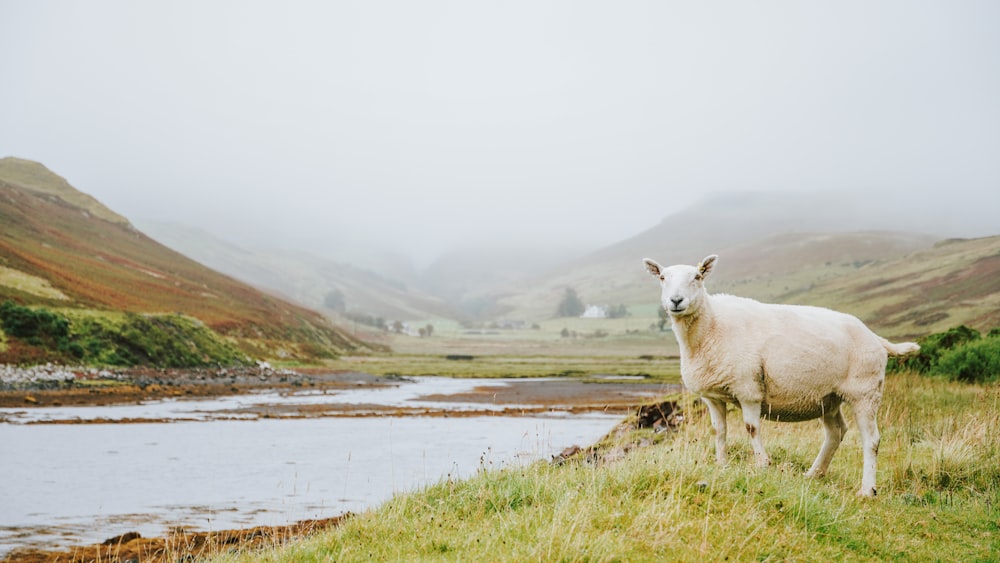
(683, 287)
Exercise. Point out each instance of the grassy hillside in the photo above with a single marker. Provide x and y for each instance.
(955, 282)
(42, 181)
(938, 483)
(57, 254)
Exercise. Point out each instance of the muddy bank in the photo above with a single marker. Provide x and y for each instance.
(179, 545)
(506, 397)
(37, 387)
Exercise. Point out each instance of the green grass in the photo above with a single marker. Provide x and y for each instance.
(938, 482)
(33, 285)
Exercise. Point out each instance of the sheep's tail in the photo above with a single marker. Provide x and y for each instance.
(901, 349)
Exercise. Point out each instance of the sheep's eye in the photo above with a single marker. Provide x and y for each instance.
(662, 278)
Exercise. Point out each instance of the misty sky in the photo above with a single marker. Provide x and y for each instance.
(429, 124)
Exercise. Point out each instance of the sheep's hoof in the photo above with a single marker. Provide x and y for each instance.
(867, 493)
(815, 474)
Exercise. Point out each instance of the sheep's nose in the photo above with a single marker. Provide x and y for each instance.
(676, 300)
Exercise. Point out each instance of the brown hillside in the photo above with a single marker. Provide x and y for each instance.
(99, 262)
(955, 282)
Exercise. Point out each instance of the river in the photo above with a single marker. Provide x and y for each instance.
(217, 464)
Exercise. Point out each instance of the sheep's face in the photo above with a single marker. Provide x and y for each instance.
(682, 287)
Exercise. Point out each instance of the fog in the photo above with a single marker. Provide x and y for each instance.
(423, 126)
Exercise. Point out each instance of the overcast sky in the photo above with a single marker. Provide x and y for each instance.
(430, 124)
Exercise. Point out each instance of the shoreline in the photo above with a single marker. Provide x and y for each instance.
(179, 545)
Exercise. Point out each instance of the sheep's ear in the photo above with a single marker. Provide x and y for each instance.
(706, 265)
(652, 266)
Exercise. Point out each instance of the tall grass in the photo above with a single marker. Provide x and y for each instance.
(938, 483)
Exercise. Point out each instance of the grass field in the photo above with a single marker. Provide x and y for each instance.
(629, 336)
(938, 483)
(539, 352)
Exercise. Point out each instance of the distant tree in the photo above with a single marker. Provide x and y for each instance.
(335, 300)
(664, 318)
(571, 305)
(429, 329)
(397, 327)
(619, 312)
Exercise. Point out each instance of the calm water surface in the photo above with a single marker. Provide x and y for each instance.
(65, 485)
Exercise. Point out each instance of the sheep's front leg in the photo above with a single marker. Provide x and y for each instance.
(717, 411)
(751, 417)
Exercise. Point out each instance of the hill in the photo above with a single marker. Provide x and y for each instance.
(319, 283)
(957, 281)
(64, 250)
(772, 268)
(902, 285)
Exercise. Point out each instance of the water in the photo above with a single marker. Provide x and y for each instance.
(73, 484)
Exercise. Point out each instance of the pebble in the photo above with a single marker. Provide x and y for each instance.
(21, 376)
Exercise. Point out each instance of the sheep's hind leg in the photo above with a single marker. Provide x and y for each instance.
(864, 414)
(751, 417)
(833, 422)
(717, 411)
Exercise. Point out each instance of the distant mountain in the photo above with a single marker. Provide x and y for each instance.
(724, 220)
(318, 283)
(463, 275)
(772, 246)
(61, 248)
(752, 229)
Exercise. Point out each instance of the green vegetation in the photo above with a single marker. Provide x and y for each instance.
(170, 341)
(114, 340)
(960, 353)
(939, 487)
(977, 361)
(571, 305)
(38, 328)
(652, 369)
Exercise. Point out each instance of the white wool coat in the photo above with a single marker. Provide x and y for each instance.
(794, 359)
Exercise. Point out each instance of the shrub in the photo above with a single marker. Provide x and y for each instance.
(932, 347)
(959, 353)
(35, 326)
(974, 362)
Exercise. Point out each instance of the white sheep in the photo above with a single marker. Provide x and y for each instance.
(786, 362)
